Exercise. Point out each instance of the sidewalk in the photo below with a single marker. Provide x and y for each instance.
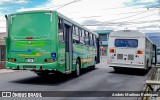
(6, 71)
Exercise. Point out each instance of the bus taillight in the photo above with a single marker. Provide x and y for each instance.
(112, 50)
(29, 37)
(140, 52)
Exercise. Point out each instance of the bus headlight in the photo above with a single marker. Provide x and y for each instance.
(49, 60)
(12, 59)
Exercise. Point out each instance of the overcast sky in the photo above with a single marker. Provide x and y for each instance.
(94, 14)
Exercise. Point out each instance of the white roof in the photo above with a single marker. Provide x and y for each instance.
(127, 33)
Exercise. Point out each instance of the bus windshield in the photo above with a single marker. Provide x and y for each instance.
(126, 43)
(30, 24)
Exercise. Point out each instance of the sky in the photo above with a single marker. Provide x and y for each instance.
(143, 15)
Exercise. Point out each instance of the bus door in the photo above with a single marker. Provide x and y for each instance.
(68, 46)
(98, 50)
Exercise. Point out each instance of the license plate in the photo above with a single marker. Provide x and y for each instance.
(29, 66)
(29, 60)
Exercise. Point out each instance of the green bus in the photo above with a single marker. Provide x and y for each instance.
(48, 42)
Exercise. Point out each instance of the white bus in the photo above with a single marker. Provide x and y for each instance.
(130, 49)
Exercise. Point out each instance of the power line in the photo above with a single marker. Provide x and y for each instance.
(129, 16)
(110, 22)
(103, 15)
(141, 12)
(68, 4)
(47, 7)
(120, 23)
(60, 6)
(143, 17)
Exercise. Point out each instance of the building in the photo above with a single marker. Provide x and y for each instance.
(2, 49)
(103, 35)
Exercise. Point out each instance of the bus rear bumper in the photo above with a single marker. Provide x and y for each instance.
(127, 65)
(31, 66)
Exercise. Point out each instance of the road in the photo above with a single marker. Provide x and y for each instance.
(103, 78)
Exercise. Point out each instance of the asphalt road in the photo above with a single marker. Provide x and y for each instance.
(103, 78)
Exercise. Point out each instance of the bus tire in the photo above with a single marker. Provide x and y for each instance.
(116, 69)
(94, 66)
(147, 67)
(42, 74)
(78, 69)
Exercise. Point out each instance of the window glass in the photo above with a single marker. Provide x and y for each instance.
(75, 35)
(94, 40)
(91, 39)
(80, 32)
(103, 37)
(126, 42)
(73, 30)
(86, 38)
(61, 30)
(82, 37)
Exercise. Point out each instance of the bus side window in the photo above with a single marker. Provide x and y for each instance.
(94, 36)
(61, 30)
(91, 39)
(83, 37)
(86, 38)
(81, 33)
(76, 36)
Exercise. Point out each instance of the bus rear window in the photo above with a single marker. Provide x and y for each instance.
(31, 24)
(126, 43)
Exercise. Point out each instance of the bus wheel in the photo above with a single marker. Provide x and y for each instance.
(42, 74)
(147, 67)
(77, 72)
(94, 66)
(116, 69)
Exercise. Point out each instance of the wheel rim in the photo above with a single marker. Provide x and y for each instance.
(77, 69)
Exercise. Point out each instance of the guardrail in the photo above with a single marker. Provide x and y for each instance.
(153, 85)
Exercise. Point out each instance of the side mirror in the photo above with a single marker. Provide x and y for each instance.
(6, 16)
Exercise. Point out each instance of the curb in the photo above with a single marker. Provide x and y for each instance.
(6, 71)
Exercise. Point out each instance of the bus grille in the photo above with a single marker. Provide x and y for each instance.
(120, 56)
(130, 57)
